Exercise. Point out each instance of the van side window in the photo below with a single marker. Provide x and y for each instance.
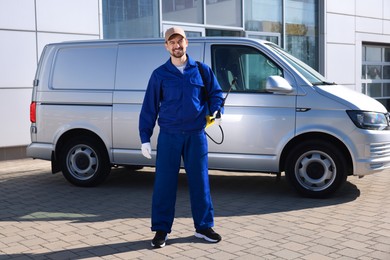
(136, 62)
(249, 66)
(84, 68)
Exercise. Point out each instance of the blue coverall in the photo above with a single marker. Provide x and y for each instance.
(178, 102)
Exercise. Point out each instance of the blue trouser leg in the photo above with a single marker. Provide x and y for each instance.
(195, 157)
(169, 150)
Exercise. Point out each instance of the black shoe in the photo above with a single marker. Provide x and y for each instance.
(209, 235)
(159, 239)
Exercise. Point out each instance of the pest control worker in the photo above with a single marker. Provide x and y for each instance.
(176, 98)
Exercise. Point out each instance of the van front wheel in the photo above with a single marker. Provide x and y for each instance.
(316, 169)
(84, 162)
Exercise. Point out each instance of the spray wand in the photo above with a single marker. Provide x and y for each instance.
(210, 119)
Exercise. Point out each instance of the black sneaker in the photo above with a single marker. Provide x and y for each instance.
(159, 239)
(209, 235)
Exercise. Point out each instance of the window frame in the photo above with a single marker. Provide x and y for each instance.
(368, 83)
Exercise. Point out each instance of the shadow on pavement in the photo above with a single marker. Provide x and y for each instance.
(41, 196)
(37, 195)
(101, 250)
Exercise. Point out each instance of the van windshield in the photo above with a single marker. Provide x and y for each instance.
(309, 73)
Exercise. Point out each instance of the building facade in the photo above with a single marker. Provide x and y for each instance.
(348, 41)
(25, 27)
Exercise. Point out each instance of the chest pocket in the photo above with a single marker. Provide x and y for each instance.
(197, 88)
(172, 90)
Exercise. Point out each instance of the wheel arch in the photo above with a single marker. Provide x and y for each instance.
(316, 136)
(78, 132)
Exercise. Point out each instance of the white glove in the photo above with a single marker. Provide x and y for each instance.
(146, 150)
(217, 121)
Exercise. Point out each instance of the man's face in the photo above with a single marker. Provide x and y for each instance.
(177, 46)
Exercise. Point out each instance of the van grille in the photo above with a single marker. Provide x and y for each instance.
(380, 150)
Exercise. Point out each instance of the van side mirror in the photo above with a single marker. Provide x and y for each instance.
(277, 84)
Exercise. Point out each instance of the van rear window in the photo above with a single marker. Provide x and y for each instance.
(87, 67)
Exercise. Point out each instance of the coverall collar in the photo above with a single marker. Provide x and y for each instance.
(190, 62)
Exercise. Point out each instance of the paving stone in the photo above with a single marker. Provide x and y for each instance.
(44, 217)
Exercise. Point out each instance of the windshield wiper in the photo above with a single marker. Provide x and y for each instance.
(323, 83)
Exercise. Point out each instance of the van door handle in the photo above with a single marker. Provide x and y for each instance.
(302, 109)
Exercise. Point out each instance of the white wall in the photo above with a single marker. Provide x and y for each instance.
(26, 26)
(348, 24)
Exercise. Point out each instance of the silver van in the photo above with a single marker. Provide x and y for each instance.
(280, 116)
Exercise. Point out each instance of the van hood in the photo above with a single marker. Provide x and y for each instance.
(350, 98)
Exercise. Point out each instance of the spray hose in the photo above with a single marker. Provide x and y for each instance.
(210, 119)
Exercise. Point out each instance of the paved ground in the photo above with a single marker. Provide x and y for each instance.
(42, 216)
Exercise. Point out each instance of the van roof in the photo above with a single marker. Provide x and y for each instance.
(156, 40)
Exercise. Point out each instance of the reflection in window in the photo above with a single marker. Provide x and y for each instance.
(224, 12)
(92, 68)
(130, 19)
(190, 11)
(247, 65)
(227, 33)
(274, 39)
(374, 90)
(376, 72)
(387, 54)
(373, 54)
(263, 15)
(301, 26)
(386, 89)
(386, 72)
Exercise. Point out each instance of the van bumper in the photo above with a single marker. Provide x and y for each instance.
(377, 159)
(40, 151)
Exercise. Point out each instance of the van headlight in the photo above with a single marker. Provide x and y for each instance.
(369, 120)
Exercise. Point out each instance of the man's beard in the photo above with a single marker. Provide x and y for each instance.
(178, 53)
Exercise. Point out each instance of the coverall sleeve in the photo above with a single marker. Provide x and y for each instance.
(150, 109)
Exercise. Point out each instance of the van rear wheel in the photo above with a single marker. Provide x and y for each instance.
(84, 161)
(316, 169)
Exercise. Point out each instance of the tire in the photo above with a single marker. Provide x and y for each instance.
(316, 169)
(84, 161)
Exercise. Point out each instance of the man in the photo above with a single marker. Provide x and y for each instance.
(176, 95)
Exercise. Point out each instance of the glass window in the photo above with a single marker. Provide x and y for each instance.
(387, 54)
(84, 68)
(301, 30)
(386, 72)
(364, 71)
(376, 72)
(129, 73)
(188, 11)
(263, 15)
(215, 32)
(374, 54)
(130, 19)
(306, 71)
(386, 90)
(374, 90)
(246, 65)
(224, 12)
(274, 39)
